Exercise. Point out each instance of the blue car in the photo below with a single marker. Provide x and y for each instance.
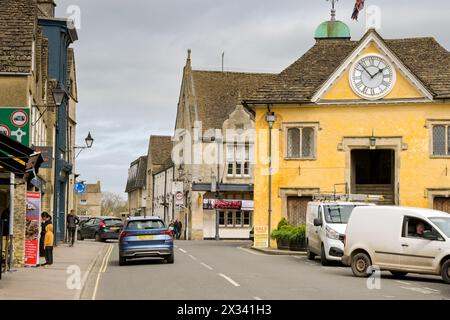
(145, 238)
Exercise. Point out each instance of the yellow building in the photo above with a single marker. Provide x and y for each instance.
(366, 117)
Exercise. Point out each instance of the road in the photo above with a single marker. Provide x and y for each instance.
(209, 270)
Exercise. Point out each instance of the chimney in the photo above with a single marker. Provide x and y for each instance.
(47, 7)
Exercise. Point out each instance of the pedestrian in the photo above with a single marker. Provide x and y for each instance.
(72, 222)
(171, 227)
(45, 220)
(175, 229)
(48, 244)
(179, 229)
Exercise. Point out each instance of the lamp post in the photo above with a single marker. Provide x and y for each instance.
(89, 142)
(270, 118)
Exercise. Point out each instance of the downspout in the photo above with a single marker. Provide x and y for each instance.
(270, 177)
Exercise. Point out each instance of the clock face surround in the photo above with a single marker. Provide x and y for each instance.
(372, 77)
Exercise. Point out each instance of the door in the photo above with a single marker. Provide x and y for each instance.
(419, 253)
(442, 204)
(296, 209)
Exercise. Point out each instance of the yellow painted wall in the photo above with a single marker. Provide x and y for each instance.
(417, 170)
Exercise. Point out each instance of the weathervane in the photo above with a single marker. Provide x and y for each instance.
(333, 9)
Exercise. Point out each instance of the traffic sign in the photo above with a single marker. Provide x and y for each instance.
(19, 118)
(15, 123)
(80, 187)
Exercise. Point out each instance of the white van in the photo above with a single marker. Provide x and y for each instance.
(398, 239)
(325, 228)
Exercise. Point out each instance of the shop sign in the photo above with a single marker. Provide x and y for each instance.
(211, 204)
(32, 230)
(47, 155)
(261, 236)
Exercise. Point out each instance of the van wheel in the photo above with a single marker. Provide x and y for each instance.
(445, 272)
(399, 274)
(360, 265)
(323, 256)
(309, 253)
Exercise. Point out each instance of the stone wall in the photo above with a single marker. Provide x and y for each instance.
(19, 222)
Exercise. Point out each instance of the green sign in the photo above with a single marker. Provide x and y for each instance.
(15, 123)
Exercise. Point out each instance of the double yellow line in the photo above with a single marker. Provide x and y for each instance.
(102, 269)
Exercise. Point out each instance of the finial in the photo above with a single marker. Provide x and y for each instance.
(189, 54)
(333, 9)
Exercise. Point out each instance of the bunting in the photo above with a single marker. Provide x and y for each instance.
(359, 6)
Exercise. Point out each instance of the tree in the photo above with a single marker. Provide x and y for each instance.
(113, 204)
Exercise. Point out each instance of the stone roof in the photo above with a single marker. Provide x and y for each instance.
(424, 57)
(137, 175)
(160, 149)
(18, 23)
(217, 93)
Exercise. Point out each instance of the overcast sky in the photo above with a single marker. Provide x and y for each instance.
(131, 53)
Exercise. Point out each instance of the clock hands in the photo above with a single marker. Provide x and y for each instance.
(380, 71)
(365, 69)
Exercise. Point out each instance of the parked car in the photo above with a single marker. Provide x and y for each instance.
(251, 235)
(144, 238)
(100, 228)
(398, 239)
(325, 229)
(83, 219)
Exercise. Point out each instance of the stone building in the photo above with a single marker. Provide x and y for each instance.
(137, 188)
(213, 152)
(163, 197)
(369, 116)
(89, 203)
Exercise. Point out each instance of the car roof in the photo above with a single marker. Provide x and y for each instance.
(144, 218)
(107, 217)
(420, 212)
(345, 203)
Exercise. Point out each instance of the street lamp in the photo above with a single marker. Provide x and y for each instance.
(373, 141)
(89, 142)
(58, 95)
(270, 118)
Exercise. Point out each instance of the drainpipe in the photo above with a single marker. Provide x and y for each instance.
(12, 186)
(270, 118)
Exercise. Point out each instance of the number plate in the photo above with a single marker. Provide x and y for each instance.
(115, 228)
(146, 237)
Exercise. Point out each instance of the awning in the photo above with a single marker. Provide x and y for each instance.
(18, 159)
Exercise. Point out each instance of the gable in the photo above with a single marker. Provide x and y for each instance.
(406, 85)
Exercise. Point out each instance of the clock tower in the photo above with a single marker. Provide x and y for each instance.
(332, 29)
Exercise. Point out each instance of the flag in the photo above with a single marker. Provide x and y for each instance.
(359, 5)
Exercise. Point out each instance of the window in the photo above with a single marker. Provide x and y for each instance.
(238, 159)
(230, 219)
(441, 140)
(221, 218)
(246, 218)
(300, 143)
(238, 219)
(416, 228)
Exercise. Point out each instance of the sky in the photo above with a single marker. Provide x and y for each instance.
(130, 57)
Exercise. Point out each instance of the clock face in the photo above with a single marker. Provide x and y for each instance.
(372, 77)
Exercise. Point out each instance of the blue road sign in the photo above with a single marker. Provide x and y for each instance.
(80, 187)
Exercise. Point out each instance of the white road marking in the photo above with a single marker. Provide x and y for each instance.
(206, 266)
(192, 257)
(403, 282)
(431, 289)
(390, 297)
(234, 283)
(182, 250)
(257, 298)
(102, 269)
(420, 290)
(175, 246)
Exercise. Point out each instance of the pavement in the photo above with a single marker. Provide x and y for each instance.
(210, 270)
(64, 280)
(279, 252)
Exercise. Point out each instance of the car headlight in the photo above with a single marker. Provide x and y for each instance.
(332, 234)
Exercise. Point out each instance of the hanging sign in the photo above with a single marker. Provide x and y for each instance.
(32, 228)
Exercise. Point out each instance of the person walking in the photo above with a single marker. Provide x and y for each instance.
(72, 222)
(48, 245)
(180, 228)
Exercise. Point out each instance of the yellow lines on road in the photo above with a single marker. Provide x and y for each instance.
(102, 269)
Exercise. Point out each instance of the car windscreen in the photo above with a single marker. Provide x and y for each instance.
(443, 224)
(113, 222)
(337, 213)
(145, 225)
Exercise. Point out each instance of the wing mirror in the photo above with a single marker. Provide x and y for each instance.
(317, 223)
